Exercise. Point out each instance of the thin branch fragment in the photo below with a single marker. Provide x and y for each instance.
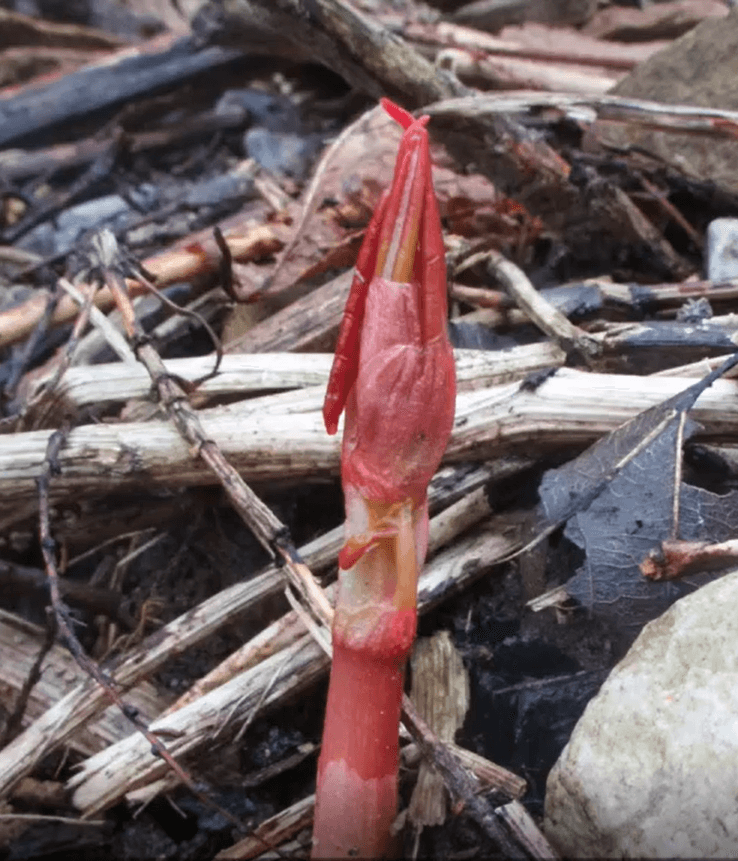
(44, 397)
(521, 824)
(37, 336)
(15, 718)
(568, 336)
(115, 340)
(338, 35)
(678, 118)
(676, 558)
(105, 777)
(458, 782)
(65, 626)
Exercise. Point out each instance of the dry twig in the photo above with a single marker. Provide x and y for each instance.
(15, 718)
(65, 626)
(568, 336)
(122, 767)
(268, 438)
(336, 34)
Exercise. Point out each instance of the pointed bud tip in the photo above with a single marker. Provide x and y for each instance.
(400, 115)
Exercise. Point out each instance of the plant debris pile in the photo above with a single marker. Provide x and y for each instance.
(185, 190)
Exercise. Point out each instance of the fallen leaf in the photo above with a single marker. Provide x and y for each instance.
(617, 500)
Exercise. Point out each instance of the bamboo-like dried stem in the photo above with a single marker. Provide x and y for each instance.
(249, 373)
(678, 118)
(120, 768)
(66, 716)
(102, 781)
(272, 832)
(264, 444)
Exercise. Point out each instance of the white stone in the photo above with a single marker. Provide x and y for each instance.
(722, 249)
(651, 769)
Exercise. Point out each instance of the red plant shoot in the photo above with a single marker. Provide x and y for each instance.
(393, 374)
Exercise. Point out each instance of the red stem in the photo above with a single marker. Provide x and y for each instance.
(356, 802)
(394, 374)
(358, 763)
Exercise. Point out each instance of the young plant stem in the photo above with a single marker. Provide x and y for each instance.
(393, 373)
(373, 632)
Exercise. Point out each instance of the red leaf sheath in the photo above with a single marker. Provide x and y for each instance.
(393, 370)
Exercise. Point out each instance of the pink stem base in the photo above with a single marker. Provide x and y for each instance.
(356, 799)
(354, 816)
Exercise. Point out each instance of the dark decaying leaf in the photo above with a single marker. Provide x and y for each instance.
(617, 500)
(630, 518)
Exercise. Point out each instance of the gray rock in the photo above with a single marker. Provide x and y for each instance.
(285, 154)
(722, 249)
(651, 768)
(700, 68)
